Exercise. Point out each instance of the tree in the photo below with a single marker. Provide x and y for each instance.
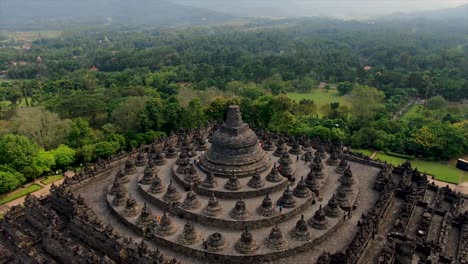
(304, 85)
(42, 162)
(126, 115)
(17, 151)
(366, 102)
(437, 102)
(44, 127)
(64, 156)
(344, 88)
(151, 118)
(439, 140)
(282, 122)
(217, 109)
(193, 116)
(81, 134)
(10, 180)
(106, 149)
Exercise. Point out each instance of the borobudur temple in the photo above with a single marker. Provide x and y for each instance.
(234, 194)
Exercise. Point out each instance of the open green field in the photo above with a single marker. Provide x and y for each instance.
(22, 192)
(442, 172)
(29, 36)
(363, 151)
(320, 97)
(51, 179)
(414, 111)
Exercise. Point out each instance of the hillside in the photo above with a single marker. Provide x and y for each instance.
(29, 14)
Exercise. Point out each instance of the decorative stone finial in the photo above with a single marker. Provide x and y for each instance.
(287, 199)
(342, 197)
(275, 239)
(216, 242)
(141, 159)
(246, 244)
(333, 159)
(296, 149)
(159, 158)
(347, 179)
(301, 189)
(266, 209)
(239, 212)
(213, 208)
(281, 148)
(156, 186)
(312, 182)
(234, 118)
(148, 176)
(308, 156)
(319, 220)
(274, 175)
(121, 177)
(115, 187)
(130, 167)
(301, 231)
(332, 208)
(146, 218)
(233, 184)
(210, 181)
(256, 181)
(171, 195)
(171, 152)
(191, 202)
(166, 226)
(189, 235)
(131, 208)
(192, 176)
(120, 197)
(321, 152)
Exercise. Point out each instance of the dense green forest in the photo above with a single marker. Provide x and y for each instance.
(95, 91)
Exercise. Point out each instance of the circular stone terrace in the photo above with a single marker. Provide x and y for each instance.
(237, 197)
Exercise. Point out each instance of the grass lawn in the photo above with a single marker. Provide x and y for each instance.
(29, 36)
(320, 97)
(363, 151)
(51, 178)
(442, 172)
(414, 110)
(22, 192)
(389, 159)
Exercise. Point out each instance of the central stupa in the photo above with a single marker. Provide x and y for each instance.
(234, 149)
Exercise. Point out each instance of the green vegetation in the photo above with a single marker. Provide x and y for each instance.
(96, 91)
(51, 179)
(320, 98)
(33, 35)
(390, 159)
(20, 193)
(413, 112)
(440, 171)
(364, 151)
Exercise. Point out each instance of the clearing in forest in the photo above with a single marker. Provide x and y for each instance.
(320, 97)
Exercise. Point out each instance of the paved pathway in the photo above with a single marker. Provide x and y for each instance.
(41, 192)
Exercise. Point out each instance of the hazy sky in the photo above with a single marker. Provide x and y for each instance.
(321, 7)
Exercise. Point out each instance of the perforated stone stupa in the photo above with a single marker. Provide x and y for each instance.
(234, 149)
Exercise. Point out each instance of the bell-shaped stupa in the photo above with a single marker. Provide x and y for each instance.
(234, 149)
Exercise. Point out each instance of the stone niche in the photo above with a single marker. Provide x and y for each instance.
(234, 149)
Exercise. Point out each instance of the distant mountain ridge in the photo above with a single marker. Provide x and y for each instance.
(455, 13)
(33, 13)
